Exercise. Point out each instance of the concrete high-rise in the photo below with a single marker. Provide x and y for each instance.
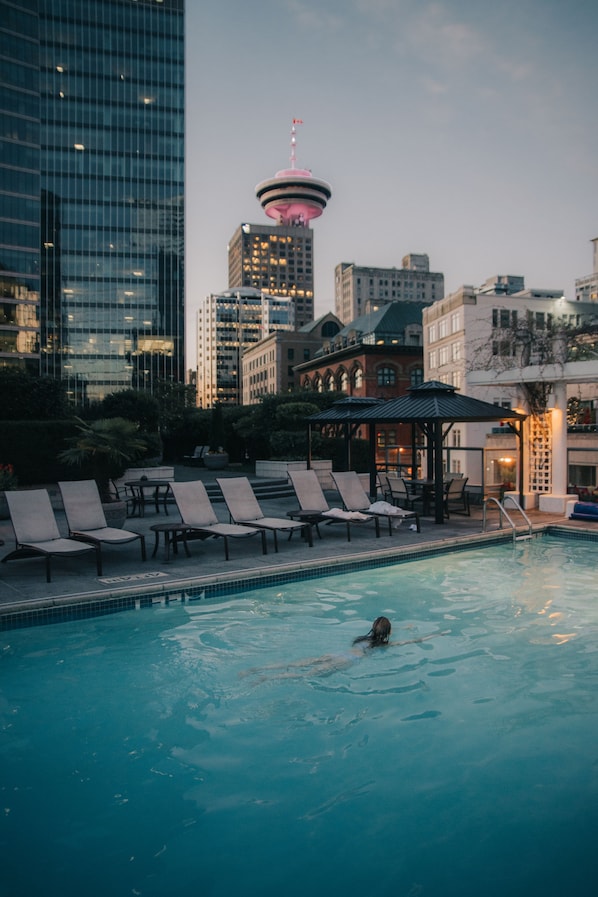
(227, 324)
(586, 288)
(91, 192)
(276, 259)
(359, 290)
(279, 258)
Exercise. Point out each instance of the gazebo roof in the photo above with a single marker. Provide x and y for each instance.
(432, 401)
(345, 410)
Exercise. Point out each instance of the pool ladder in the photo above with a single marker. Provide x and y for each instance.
(503, 512)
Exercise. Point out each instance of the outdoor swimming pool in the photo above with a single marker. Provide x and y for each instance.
(142, 754)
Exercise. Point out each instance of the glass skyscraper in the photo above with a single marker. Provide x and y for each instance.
(91, 191)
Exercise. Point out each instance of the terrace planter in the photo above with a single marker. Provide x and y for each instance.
(216, 460)
(115, 513)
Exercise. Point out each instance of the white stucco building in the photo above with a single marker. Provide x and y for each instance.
(472, 330)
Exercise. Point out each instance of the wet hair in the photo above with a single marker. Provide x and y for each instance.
(378, 634)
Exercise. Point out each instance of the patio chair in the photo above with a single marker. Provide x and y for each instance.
(398, 493)
(456, 499)
(314, 507)
(245, 510)
(86, 519)
(36, 530)
(197, 512)
(355, 498)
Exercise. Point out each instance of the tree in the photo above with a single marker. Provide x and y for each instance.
(524, 343)
(135, 405)
(216, 439)
(104, 449)
(26, 397)
(277, 426)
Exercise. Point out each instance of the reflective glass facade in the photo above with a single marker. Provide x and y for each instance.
(19, 185)
(110, 180)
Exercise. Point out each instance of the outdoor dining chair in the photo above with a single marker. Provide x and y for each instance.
(456, 499)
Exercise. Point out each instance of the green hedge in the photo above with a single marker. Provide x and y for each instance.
(32, 447)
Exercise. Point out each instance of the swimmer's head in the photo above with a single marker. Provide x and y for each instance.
(380, 631)
(378, 634)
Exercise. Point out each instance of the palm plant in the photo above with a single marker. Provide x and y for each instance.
(103, 449)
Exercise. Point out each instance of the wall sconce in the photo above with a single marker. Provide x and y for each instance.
(551, 401)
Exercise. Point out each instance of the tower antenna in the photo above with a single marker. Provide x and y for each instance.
(296, 121)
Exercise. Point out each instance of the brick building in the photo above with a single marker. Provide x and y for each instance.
(378, 355)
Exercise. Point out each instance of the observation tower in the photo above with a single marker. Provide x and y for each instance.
(293, 196)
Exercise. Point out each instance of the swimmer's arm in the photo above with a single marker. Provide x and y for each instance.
(416, 641)
(293, 664)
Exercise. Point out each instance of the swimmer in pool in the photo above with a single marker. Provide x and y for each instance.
(378, 636)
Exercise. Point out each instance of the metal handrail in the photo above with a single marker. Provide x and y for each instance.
(503, 510)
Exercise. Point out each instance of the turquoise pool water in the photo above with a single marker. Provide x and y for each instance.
(143, 753)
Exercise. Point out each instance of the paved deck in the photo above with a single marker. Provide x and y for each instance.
(74, 580)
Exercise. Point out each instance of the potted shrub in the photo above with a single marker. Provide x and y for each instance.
(103, 449)
(8, 482)
(216, 458)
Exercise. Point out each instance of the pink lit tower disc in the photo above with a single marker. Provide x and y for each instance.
(293, 196)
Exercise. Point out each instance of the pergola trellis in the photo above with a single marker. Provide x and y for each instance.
(433, 407)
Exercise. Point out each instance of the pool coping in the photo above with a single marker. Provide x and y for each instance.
(43, 611)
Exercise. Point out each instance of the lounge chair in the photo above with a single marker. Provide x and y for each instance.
(197, 512)
(245, 510)
(86, 519)
(355, 498)
(37, 533)
(456, 499)
(314, 507)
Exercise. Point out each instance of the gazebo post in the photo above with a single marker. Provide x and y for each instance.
(413, 453)
(372, 454)
(347, 446)
(430, 439)
(309, 445)
(438, 473)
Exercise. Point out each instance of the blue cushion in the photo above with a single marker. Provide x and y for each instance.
(585, 510)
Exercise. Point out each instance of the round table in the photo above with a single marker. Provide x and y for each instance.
(173, 534)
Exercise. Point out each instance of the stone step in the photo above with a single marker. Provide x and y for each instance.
(263, 488)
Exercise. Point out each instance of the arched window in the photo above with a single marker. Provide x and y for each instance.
(344, 382)
(330, 383)
(387, 376)
(357, 378)
(318, 385)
